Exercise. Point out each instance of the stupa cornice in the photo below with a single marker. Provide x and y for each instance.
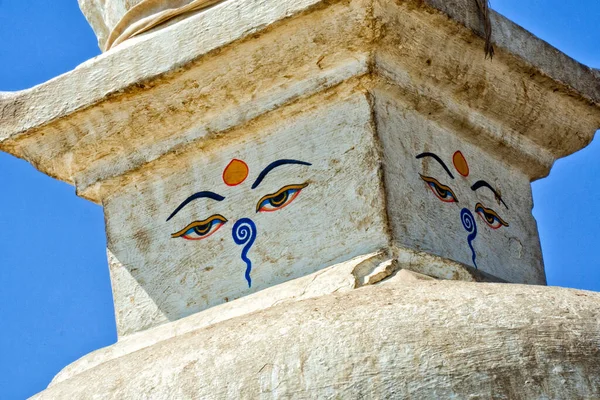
(87, 119)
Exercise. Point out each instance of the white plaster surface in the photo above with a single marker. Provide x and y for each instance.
(339, 215)
(138, 60)
(422, 221)
(103, 15)
(339, 278)
(113, 114)
(418, 339)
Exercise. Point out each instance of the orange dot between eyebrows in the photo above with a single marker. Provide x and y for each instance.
(235, 173)
(460, 163)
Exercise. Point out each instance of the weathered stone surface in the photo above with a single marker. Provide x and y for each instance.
(422, 340)
(131, 89)
(512, 38)
(342, 199)
(104, 15)
(345, 207)
(369, 269)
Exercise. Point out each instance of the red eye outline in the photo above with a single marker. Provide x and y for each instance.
(442, 192)
(488, 214)
(270, 202)
(203, 229)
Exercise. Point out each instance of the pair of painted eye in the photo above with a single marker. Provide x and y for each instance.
(490, 217)
(445, 194)
(199, 230)
(280, 199)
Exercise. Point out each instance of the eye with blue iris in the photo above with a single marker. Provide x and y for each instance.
(490, 217)
(280, 199)
(442, 192)
(199, 230)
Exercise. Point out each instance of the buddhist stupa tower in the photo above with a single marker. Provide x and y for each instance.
(319, 199)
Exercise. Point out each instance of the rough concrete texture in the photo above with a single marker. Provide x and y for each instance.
(415, 340)
(361, 94)
(515, 40)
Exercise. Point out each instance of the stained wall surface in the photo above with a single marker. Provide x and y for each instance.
(274, 201)
(207, 234)
(451, 198)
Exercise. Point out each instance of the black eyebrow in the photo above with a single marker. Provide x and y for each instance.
(482, 184)
(436, 158)
(273, 165)
(199, 195)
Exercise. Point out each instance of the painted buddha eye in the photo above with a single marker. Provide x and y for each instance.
(490, 217)
(443, 192)
(199, 230)
(280, 199)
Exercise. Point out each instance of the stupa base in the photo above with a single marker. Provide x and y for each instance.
(404, 336)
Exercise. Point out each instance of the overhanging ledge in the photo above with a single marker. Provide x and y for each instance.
(55, 125)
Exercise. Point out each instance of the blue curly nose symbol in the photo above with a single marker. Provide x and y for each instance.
(244, 234)
(468, 222)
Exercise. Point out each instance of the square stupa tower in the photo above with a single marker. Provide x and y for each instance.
(250, 153)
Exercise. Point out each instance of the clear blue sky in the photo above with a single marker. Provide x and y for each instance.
(55, 298)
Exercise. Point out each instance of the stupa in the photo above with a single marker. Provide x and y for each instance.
(319, 199)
